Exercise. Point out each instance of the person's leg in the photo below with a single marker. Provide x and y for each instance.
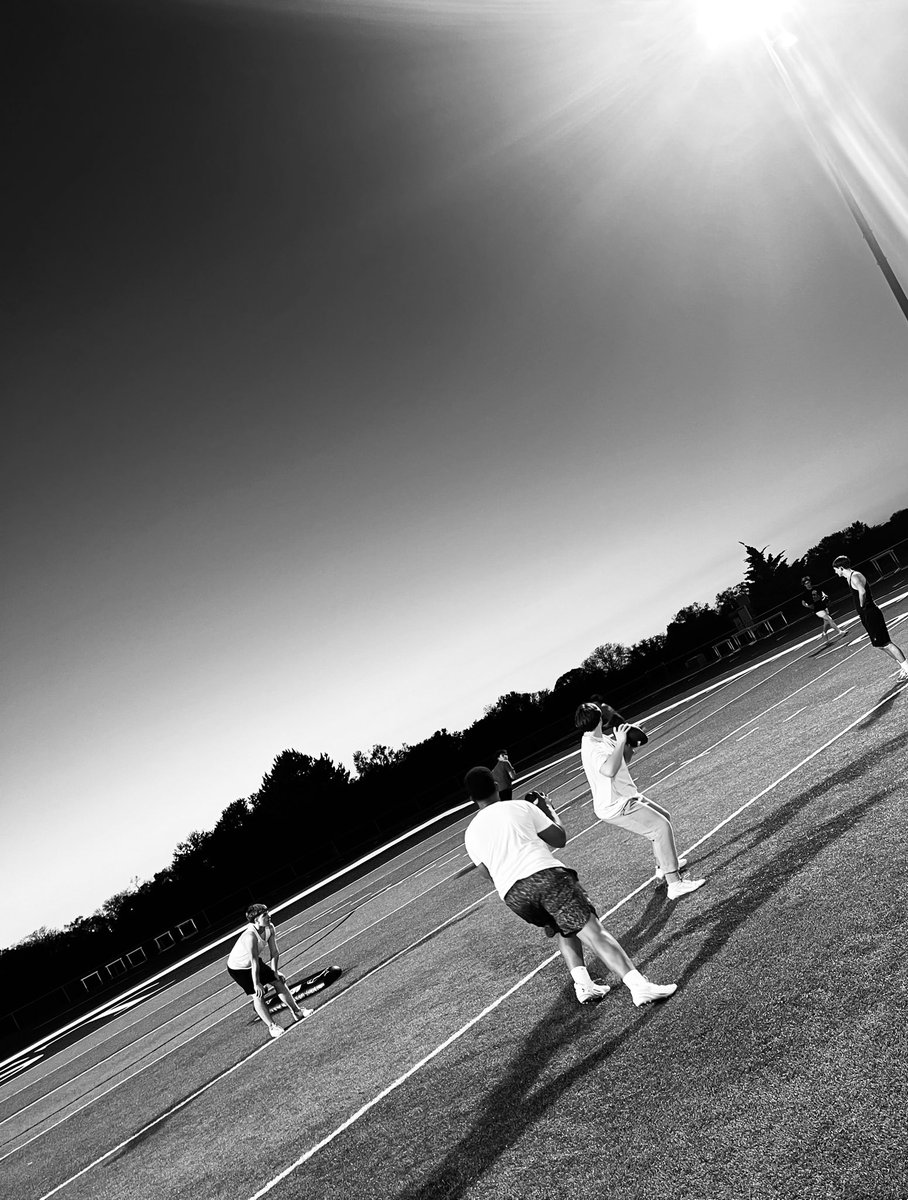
(585, 987)
(606, 948)
(244, 978)
(258, 1003)
(875, 623)
(287, 996)
(682, 862)
(571, 951)
(610, 952)
(828, 624)
(894, 652)
(653, 822)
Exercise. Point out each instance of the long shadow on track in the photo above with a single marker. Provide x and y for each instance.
(764, 884)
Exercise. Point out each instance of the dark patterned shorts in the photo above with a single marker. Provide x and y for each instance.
(552, 899)
(875, 624)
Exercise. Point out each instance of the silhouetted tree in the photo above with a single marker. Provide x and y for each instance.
(693, 627)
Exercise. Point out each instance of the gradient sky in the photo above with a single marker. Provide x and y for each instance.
(366, 360)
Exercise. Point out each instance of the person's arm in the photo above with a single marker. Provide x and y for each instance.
(554, 836)
(256, 963)
(612, 764)
(859, 583)
(275, 953)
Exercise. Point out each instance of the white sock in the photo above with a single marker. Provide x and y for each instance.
(581, 975)
(633, 979)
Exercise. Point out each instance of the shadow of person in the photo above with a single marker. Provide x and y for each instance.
(779, 818)
(765, 881)
(883, 705)
(515, 1103)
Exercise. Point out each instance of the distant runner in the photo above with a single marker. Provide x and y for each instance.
(253, 963)
(511, 843)
(871, 618)
(504, 774)
(818, 602)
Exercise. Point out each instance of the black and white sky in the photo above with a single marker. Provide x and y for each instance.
(368, 359)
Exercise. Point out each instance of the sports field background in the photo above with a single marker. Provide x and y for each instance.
(452, 1060)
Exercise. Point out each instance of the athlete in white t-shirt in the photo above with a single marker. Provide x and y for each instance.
(617, 800)
(512, 842)
(253, 963)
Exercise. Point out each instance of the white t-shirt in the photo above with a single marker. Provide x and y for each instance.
(609, 795)
(504, 837)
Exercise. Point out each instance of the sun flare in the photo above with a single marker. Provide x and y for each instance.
(725, 22)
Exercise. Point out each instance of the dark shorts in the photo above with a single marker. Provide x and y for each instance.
(244, 977)
(552, 899)
(875, 624)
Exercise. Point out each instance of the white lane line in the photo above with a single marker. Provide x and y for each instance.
(746, 735)
(788, 773)
(841, 694)
(272, 1183)
(777, 704)
(702, 754)
(667, 767)
(800, 710)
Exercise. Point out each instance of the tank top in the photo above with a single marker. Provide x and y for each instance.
(240, 957)
(867, 593)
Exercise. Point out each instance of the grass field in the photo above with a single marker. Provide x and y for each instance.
(452, 1060)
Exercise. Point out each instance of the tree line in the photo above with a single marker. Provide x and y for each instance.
(311, 816)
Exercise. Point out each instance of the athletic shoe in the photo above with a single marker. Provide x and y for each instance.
(903, 671)
(276, 1031)
(588, 992)
(304, 1012)
(647, 992)
(660, 874)
(683, 886)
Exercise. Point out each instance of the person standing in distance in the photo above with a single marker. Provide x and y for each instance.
(513, 844)
(504, 775)
(248, 965)
(871, 617)
(818, 602)
(617, 800)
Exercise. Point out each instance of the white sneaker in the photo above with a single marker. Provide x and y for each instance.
(648, 991)
(588, 992)
(903, 671)
(683, 887)
(660, 874)
(304, 1012)
(276, 1031)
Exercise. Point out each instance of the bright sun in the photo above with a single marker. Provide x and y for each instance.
(723, 22)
